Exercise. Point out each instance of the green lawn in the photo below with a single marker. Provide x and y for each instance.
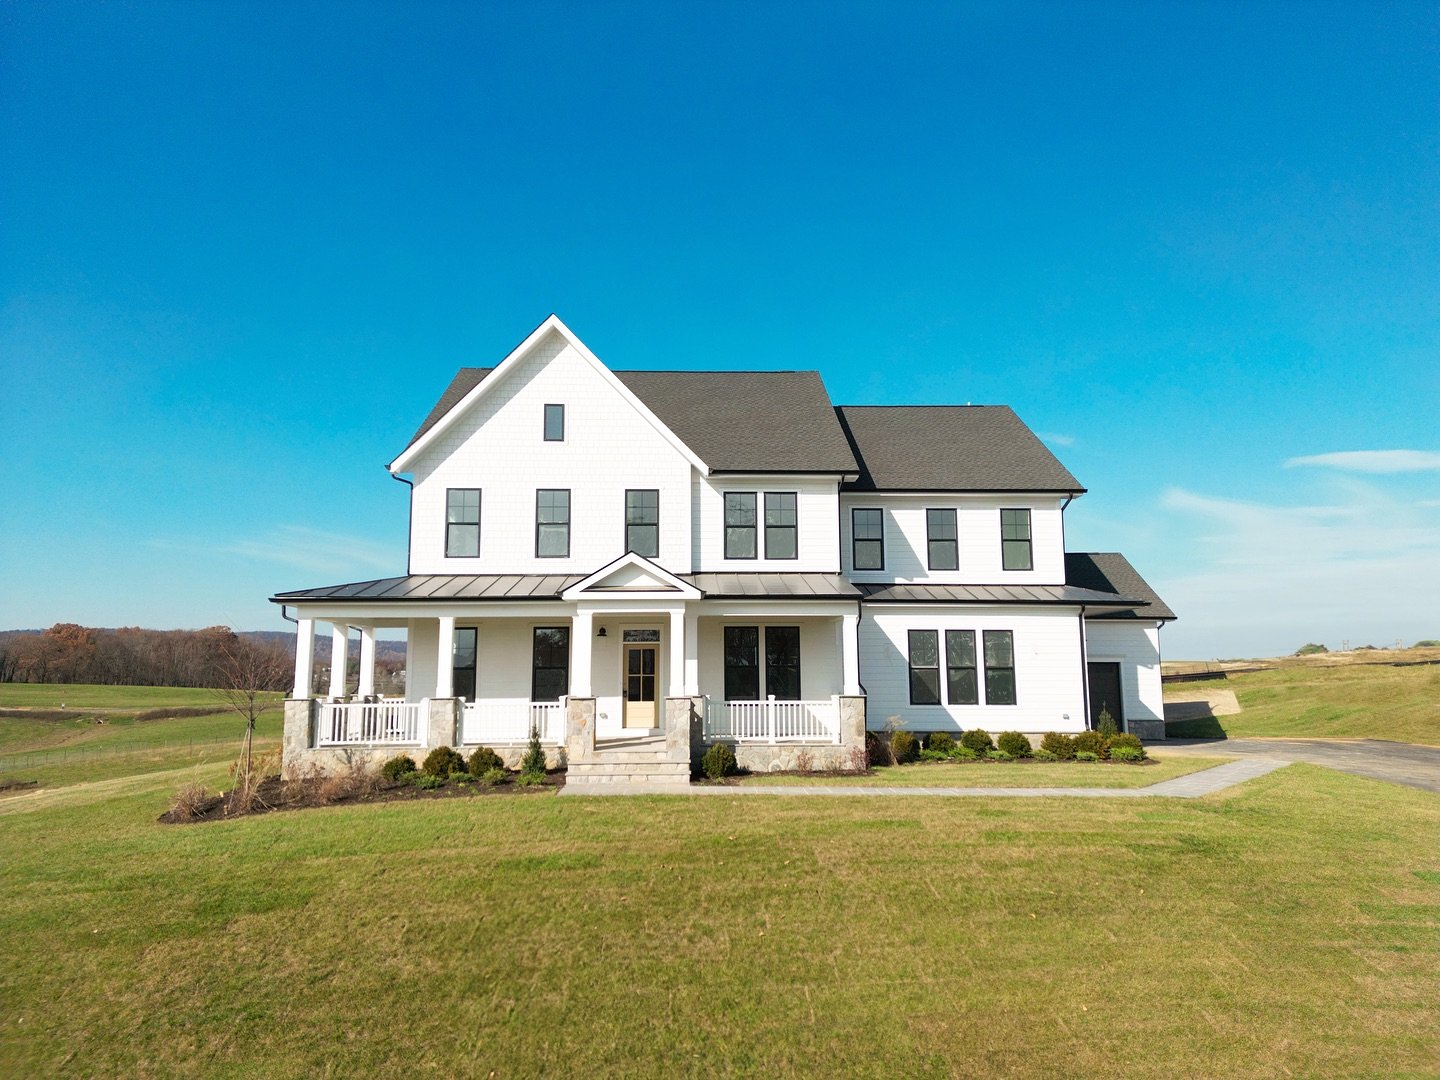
(1005, 774)
(87, 696)
(1288, 927)
(1341, 702)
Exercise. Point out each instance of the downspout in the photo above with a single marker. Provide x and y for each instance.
(288, 618)
(409, 517)
(1084, 670)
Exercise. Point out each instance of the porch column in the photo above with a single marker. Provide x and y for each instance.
(367, 662)
(339, 658)
(692, 653)
(304, 656)
(850, 653)
(582, 644)
(677, 653)
(445, 658)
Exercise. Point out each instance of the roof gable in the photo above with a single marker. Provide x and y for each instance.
(1109, 571)
(632, 576)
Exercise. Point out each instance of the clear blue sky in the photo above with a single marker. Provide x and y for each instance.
(244, 246)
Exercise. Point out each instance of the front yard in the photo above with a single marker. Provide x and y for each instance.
(1010, 774)
(1288, 926)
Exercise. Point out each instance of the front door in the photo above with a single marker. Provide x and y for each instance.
(640, 686)
(1105, 694)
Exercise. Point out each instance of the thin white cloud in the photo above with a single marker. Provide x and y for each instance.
(1058, 440)
(312, 550)
(1371, 461)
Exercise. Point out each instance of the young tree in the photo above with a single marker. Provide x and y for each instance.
(246, 674)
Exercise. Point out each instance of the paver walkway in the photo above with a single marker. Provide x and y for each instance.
(1190, 786)
(1399, 763)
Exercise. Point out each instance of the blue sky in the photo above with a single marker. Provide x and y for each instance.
(1197, 247)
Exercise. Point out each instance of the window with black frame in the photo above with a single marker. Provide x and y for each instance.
(552, 523)
(782, 662)
(961, 686)
(642, 522)
(740, 525)
(1015, 540)
(550, 663)
(554, 423)
(941, 540)
(463, 663)
(462, 523)
(867, 538)
(924, 667)
(781, 525)
(999, 667)
(742, 663)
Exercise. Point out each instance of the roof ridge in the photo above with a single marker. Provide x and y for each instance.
(929, 405)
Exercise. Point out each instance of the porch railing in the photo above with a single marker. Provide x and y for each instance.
(382, 723)
(486, 722)
(772, 721)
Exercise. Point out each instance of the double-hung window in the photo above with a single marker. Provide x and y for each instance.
(942, 544)
(552, 523)
(999, 667)
(1015, 540)
(781, 525)
(961, 686)
(462, 523)
(554, 423)
(867, 539)
(462, 668)
(642, 522)
(924, 667)
(740, 525)
(550, 663)
(742, 663)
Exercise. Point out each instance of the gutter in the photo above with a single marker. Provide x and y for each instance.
(1084, 670)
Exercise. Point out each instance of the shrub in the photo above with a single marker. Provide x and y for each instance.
(1126, 753)
(942, 742)
(1126, 741)
(190, 800)
(1091, 742)
(933, 755)
(462, 778)
(877, 751)
(1105, 723)
(483, 760)
(718, 761)
(1062, 746)
(426, 781)
(491, 777)
(530, 779)
(533, 763)
(1045, 755)
(1086, 755)
(1427, 643)
(1310, 648)
(442, 761)
(397, 768)
(978, 740)
(904, 747)
(999, 755)
(964, 753)
(1014, 744)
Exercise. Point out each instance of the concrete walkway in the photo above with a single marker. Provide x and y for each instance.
(1399, 763)
(1191, 786)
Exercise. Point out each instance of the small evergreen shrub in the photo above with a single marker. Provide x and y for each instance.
(719, 760)
(933, 755)
(1126, 753)
(999, 755)
(442, 761)
(1045, 755)
(533, 763)
(491, 777)
(1105, 723)
(397, 768)
(941, 742)
(1126, 741)
(483, 760)
(1086, 755)
(462, 778)
(904, 747)
(877, 751)
(1091, 742)
(978, 740)
(964, 753)
(426, 781)
(1014, 744)
(1062, 746)
(530, 779)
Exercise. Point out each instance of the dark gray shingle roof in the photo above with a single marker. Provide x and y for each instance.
(1111, 572)
(466, 379)
(949, 448)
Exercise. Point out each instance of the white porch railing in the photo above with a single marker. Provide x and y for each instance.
(772, 721)
(486, 722)
(395, 723)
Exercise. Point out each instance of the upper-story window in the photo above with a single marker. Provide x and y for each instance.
(552, 523)
(740, 525)
(781, 525)
(867, 539)
(1015, 540)
(941, 540)
(462, 523)
(642, 522)
(554, 423)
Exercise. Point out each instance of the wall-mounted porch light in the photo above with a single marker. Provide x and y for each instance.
(601, 633)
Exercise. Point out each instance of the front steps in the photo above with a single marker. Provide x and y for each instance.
(630, 766)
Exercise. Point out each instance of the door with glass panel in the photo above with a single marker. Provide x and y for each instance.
(639, 689)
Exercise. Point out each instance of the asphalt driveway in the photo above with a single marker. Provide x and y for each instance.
(1399, 763)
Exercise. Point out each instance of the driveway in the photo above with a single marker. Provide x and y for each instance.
(1399, 763)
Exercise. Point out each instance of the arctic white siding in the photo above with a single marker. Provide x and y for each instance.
(1136, 647)
(817, 539)
(978, 527)
(1049, 690)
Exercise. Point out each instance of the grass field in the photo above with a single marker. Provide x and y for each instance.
(1324, 701)
(1287, 927)
(1047, 774)
(85, 696)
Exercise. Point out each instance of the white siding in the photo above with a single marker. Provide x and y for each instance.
(978, 527)
(817, 538)
(1136, 647)
(1049, 690)
(820, 668)
(499, 447)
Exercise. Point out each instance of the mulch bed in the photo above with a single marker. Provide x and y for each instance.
(313, 792)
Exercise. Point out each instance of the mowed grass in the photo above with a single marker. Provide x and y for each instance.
(1286, 927)
(89, 696)
(1003, 774)
(1337, 702)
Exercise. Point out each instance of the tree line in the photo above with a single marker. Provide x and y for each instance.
(131, 656)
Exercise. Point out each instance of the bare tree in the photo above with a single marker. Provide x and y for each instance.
(246, 674)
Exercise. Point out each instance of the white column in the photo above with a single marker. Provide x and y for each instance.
(692, 653)
(304, 656)
(445, 658)
(339, 658)
(850, 653)
(582, 644)
(367, 661)
(677, 652)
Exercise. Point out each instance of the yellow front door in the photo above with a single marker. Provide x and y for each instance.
(640, 686)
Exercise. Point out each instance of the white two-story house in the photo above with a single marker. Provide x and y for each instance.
(609, 556)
